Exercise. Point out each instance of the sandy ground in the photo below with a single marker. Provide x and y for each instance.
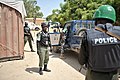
(27, 69)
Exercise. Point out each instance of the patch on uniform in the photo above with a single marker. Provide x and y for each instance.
(105, 40)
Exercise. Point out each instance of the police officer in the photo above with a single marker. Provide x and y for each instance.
(65, 40)
(28, 36)
(100, 51)
(42, 48)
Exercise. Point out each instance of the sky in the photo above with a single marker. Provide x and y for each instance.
(48, 5)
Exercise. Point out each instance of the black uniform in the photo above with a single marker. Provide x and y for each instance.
(100, 52)
(28, 37)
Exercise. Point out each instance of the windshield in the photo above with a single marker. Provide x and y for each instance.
(87, 25)
(52, 25)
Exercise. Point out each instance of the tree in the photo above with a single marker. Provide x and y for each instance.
(75, 9)
(32, 9)
(81, 9)
(116, 5)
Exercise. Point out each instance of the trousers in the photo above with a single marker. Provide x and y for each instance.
(43, 53)
(93, 75)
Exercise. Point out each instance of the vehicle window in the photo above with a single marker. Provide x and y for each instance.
(53, 25)
(77, 26)
(84, 25)
(93, 25)
(88, 24)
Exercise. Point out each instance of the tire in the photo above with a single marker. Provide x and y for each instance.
(81, 32)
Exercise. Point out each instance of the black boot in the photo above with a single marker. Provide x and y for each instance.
(40, 71)
(45, 69)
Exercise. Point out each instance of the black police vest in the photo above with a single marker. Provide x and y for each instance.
(44, 41)
(26, 30)
(104, 50)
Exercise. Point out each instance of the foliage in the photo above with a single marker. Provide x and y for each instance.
(116, 5)
(80, 9)
(32, 9)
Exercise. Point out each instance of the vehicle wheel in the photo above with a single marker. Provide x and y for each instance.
(81, 32)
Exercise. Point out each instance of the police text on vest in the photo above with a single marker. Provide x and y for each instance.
(105, 40)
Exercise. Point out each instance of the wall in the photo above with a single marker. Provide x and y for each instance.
(11, 33)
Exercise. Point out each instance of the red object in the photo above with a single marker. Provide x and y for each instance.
(11, 34)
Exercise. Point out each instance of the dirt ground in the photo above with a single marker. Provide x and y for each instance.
(27, 69)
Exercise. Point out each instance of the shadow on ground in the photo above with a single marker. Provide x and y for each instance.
(32, 69)
(71, 58)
